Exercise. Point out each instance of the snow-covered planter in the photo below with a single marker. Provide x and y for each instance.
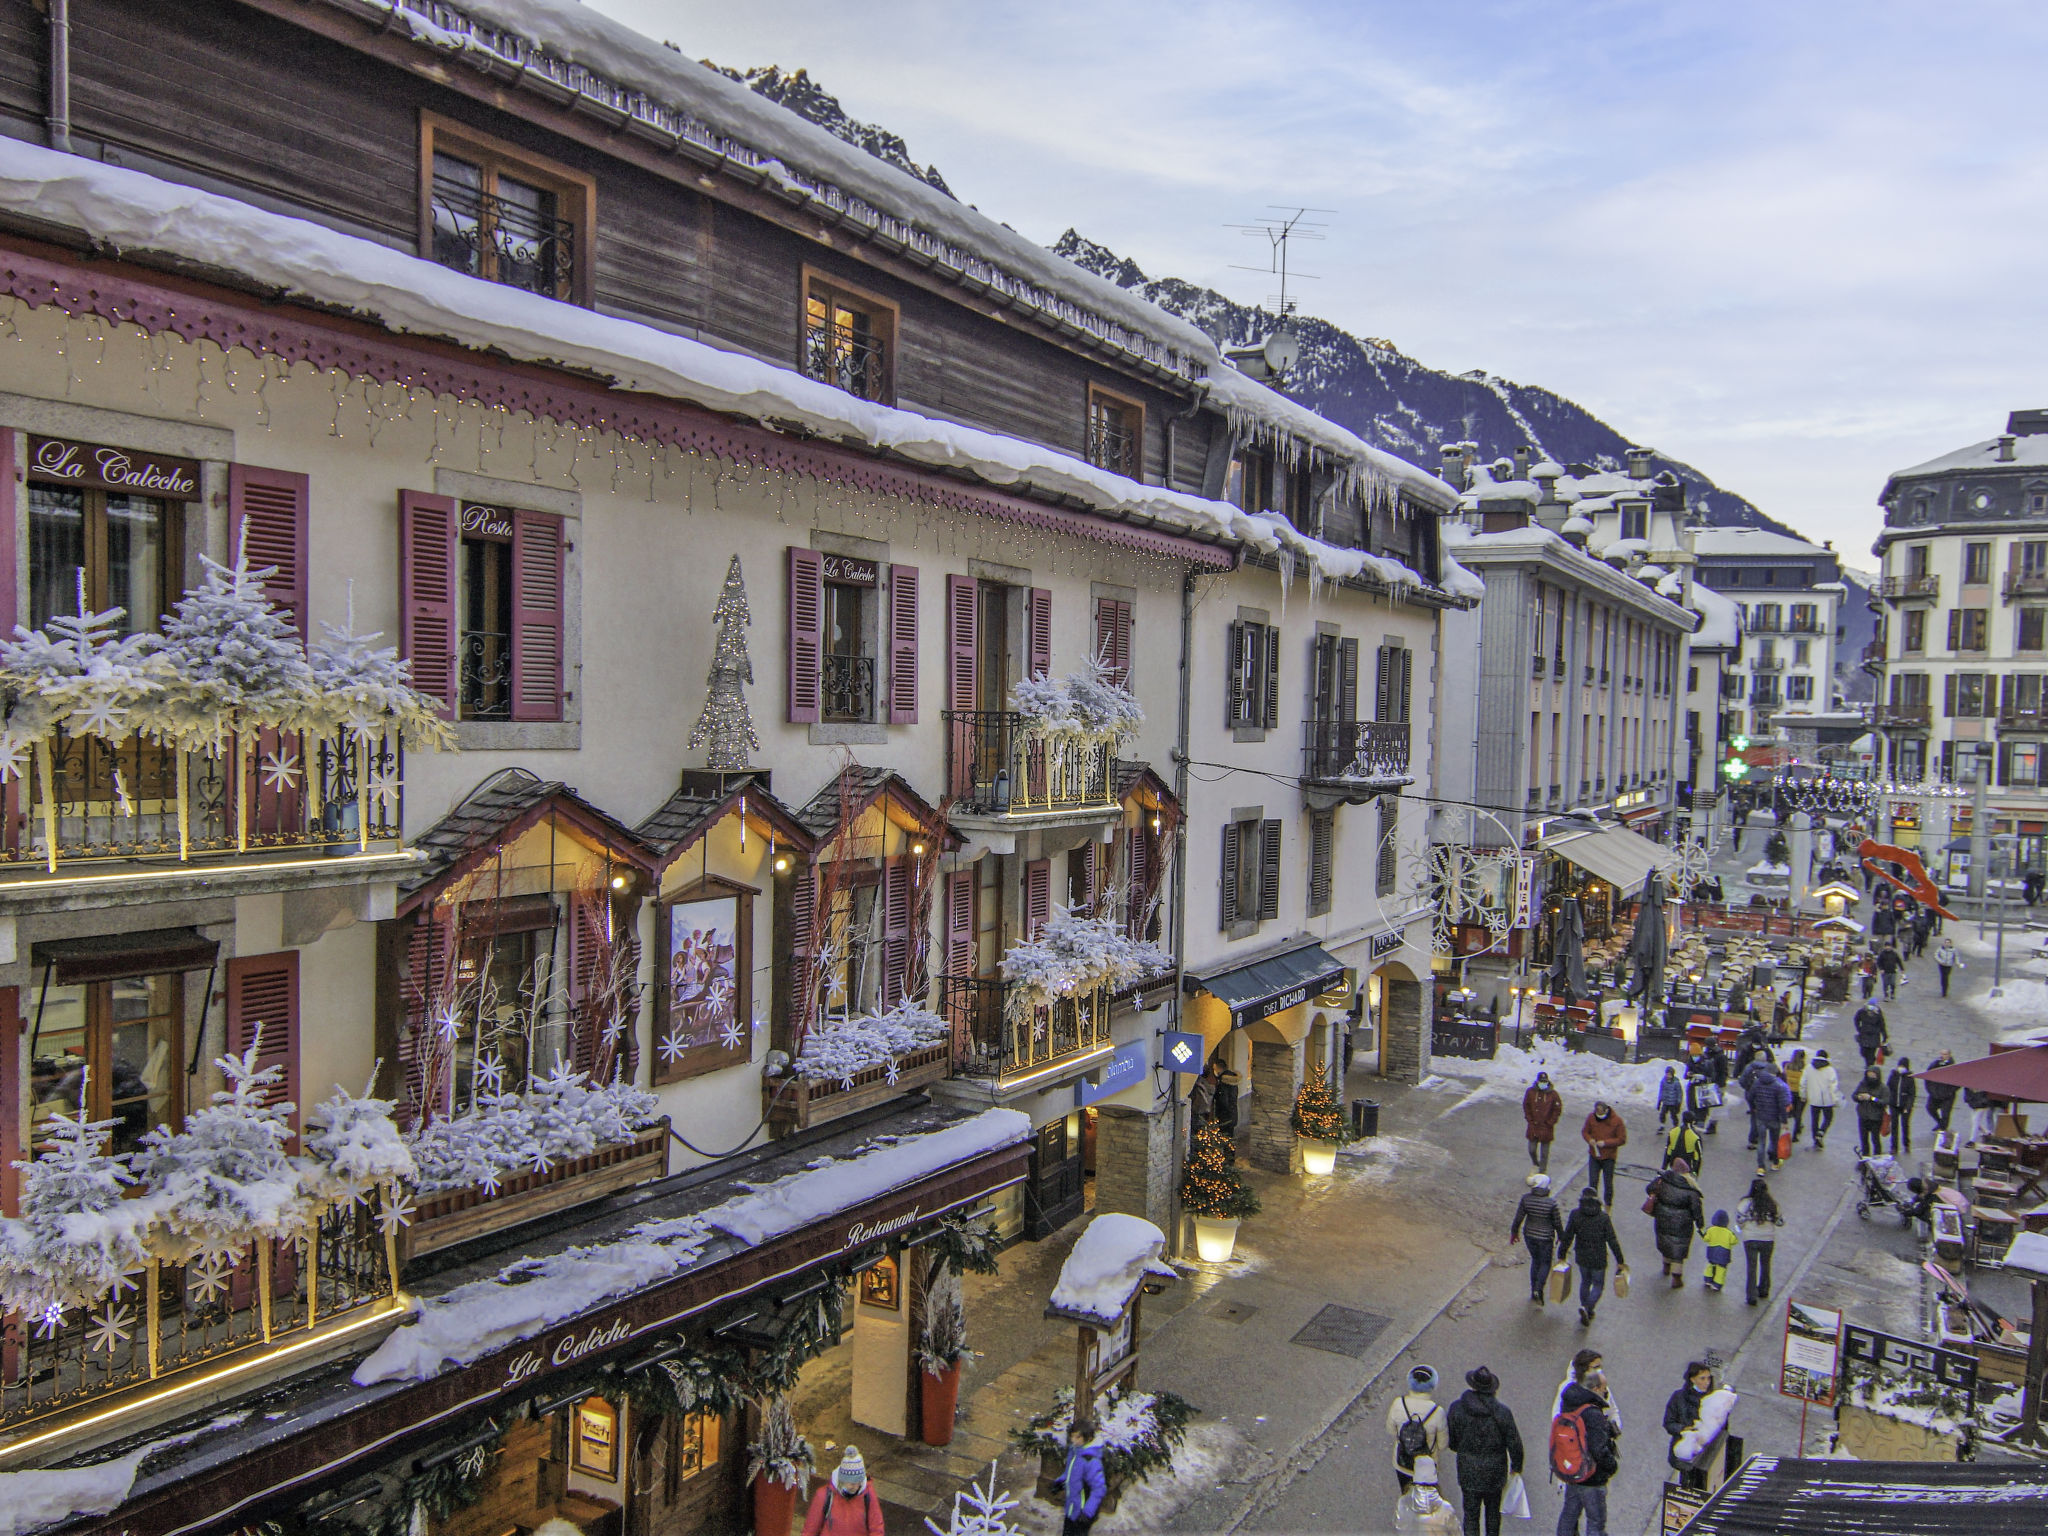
(839, 1050)
(1076, 953)
(563, 1116)
(78, 1237)
(1083, 709)
(1137, 1432)
(780, 1464)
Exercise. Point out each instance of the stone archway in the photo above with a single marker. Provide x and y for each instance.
(1278, 1049)
(1404, 1009)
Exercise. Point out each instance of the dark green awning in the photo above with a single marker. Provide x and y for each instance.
(1266, 987)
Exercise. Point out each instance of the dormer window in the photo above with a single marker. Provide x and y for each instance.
(1116, 434)
(849, 340)
(491, 211)
(1635, 520)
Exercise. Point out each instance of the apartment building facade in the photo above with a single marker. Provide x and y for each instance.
(814, 585)
(1792, 599)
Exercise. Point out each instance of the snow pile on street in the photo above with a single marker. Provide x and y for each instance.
(839, 1049)
(29, 1501)
(535, 1294)
(127, 210)
(1580, 1077)
(1107, 1265)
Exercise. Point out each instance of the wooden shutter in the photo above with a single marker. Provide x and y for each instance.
(1081, 877)
(1226, 905)
(1236, 710)
(426, 603)
(1405, 681)
(10, 567)
(803, 914)
(1948, 695)
(963, 641)
(1113, 637)
(1038, 637)
(1037, 896)
(1269, 870)
(1347, 679)
(263, 992)
(12, 1064)
(1955, 627)
(903, 645)
(267, 518)
(1382, 691)
(423, 1092)
(537, 619)
(1321, 829)
(960, 923)
(806, 634)
(896, 873)
(589, 1013)
(1271, 718)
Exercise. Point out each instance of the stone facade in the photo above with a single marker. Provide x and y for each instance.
(1406, 1014)
(1276, 1072)
(1134, 1162)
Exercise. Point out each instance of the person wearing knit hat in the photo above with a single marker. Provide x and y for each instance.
(848, 1504)
(1416, 1423)
(1482, 1433)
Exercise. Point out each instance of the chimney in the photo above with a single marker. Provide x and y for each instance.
(1522, 460)
(1454, 465)
(2007, 442)
(1639, 463)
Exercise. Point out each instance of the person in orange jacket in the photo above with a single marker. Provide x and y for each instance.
(1605, 1137)
(847, 1505)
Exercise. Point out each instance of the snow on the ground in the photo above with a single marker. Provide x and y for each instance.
(535, 1294)
(1200, 1464)
(1580, 1078)
(1107, 1265)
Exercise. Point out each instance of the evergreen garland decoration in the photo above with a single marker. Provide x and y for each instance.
(1211, 1185)
(1137, 1432)
(1317, 1116)
(966, 1247)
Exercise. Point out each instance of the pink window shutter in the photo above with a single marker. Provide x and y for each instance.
(263, 994)
(806, 634)
(960, 923)
(1040, 637)
(903, 645)
(10, 1079)
(10, 554)
(963, 640)
(1037, 896)
(267, 523)
(537, 622)
(425, 1088)
(803, 984)
(896, 874)
(426, 577)
(589, 937)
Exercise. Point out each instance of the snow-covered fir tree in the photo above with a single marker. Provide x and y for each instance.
(238, 664)
(979, 1509)
(78, 1236)
(726, 727)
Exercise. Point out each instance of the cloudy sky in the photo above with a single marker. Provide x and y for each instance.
(1795, 244)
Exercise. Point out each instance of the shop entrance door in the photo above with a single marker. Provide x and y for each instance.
(1053, 1192)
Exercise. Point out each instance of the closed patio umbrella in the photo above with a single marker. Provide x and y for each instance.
(1567, 971)
(1646, 946)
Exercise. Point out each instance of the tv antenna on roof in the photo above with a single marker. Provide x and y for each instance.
(1289, 225)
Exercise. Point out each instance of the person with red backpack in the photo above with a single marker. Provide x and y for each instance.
(1583, 1453)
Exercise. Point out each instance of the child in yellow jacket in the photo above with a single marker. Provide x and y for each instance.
(1722, 1241)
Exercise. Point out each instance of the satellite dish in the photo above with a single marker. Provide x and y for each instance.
(1282, 349)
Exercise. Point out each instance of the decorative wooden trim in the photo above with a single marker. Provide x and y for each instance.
(154, 302)
(808, 1102)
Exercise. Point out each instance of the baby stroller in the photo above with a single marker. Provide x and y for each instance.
(1885, 1183)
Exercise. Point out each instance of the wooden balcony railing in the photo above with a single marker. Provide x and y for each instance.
(1000, 1037)
(995, 766)
(1354, 749)
(93, 800)
(175, 1319)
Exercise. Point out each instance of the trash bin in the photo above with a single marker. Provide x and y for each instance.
(1365, 1117)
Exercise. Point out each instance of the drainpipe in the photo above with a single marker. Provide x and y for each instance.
(1174, 1223)
(59, 116)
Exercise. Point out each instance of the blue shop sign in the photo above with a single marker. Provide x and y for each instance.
(1181, 1052)
(1126, 1069)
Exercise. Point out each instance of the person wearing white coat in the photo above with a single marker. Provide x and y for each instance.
(1823, 1090)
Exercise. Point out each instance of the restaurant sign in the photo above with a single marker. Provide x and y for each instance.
(849, 571)
(94, 466)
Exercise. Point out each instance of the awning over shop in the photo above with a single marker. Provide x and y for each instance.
(117, 956)
(1615, 855)
(1777, 1496)
(1266, 987)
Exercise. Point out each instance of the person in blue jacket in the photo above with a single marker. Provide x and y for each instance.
(1082, 1483)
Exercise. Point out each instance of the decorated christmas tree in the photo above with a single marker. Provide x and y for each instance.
(726, 726)
(1210, 1185)
(78, 1236)
(1316, 1113)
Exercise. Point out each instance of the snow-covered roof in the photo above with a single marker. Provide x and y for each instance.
(1720, 619)
(1578, 523)
(2028, 452)
(1622, 549)
(1608, 483)
(1752, 541)
(1487, 488)
(665, 96)
(1462, 542)
(1115, 1256)
(131, 212)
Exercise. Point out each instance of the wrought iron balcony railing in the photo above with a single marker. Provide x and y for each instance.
(999, 1035)
(1113, 446)
(1354, 749)
(1767, 664)
(90, 799)
(856, 362)
(1909, 588)
(175, 1319)
(2025, 583)
(486, 675)
(997, 765)
(2020, 717)
(1907, 716)
(503, 241)
(849, 684)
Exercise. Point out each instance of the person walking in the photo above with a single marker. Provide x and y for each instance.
(1900, 1090)
(1890, 966)
(1678, 1210)
(1941, 1097)
(1682, 1141)
(1586, 1415)
(1923, 925)
(1702, 1098)
(1795, 1078)
(1589, 1237)
(1605, 1136)
(847, 1504)
(1482, 1435)
(1682, 1412)
(1421, 1506)
(1866, 972)
(1670, 1098)
(1871, 1032)
(1869, 1099)
(1415, 1422)
(1083, 1486)
(1823, 1094)
(1721, 1240)
(1542, 1108)
(1536, 1221)
(1946, 960)
(1770, 1105)
(1759, 1218)
(1746, 1080)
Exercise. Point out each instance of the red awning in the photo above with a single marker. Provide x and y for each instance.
(2020, 1074)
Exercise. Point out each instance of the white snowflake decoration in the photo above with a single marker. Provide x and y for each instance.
(100, 716)
(51, 1322)
(490, 1074)
(672, 1047)
(112, 1326)
(281, 770)
(539, 1162)
(446, 1024)
(122, 798)
(384, 786)
(397, 1213)
(209, 1278)
(733, 1036)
